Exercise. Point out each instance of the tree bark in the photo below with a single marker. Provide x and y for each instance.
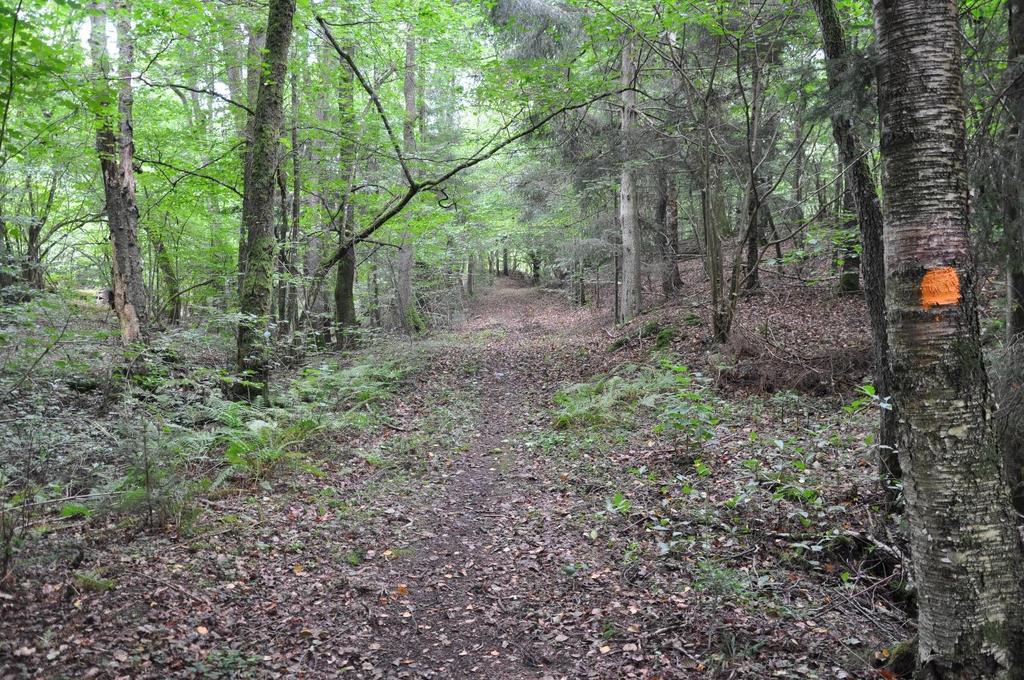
(116, 149)
(629, 222)
(967, 552)
(853, 156)
(252, 359)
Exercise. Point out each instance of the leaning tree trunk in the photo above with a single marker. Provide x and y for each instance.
(115, 151)
(261, 159)
(628, 218)
(968, 560)
(854, 156)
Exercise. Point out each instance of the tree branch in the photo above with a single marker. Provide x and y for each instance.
(193, 173)
(198, 90)
(373, 97)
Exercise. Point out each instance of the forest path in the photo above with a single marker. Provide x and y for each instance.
(481, 580)
(457, 532)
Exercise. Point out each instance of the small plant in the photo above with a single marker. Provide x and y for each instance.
(868, 397)
(687, 412)
(262, 447)
(618, 504)
(89, 580)
(665, 337)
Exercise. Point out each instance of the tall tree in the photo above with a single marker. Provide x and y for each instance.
(116, 150)
(261, 160)
(344, 283)
(854, 157)
(968, 559)
(629, 221)
(408, 317)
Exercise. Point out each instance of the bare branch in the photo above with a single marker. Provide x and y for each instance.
(373, 97)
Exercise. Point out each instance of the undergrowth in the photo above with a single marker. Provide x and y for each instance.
(169, 453)
(678, 400)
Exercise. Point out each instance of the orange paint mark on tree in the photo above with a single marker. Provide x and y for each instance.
(940, 286)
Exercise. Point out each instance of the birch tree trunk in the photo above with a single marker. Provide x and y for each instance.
(258, 204)
(853, 156)
(628, 217)
(967, 551)
(116, 149)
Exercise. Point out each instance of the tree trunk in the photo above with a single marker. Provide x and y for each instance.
(1012, 368)
(375, 294)
(254, 64)
(754, 217)
(628, 217)
(535, 268)
(281, 233)
(116, 150)
(252, 359)
(408, 315)
(849, 277)
(853, 156)
(470, 266)
(291, 259)
(344, 285)
(967, 553)
(344, 299)
(666, 216)
(1013, 218)
(170, 276)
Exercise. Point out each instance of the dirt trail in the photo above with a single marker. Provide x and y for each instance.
(474, 580)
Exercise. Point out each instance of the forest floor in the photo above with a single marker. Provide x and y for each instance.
(532, 498)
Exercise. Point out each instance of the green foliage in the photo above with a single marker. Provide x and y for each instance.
(364, 385)
(688, 412)
(260, 448)
(611, 401)
(618, 504)
(90, 580)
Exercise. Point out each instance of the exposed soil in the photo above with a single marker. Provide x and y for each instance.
(488, 544)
